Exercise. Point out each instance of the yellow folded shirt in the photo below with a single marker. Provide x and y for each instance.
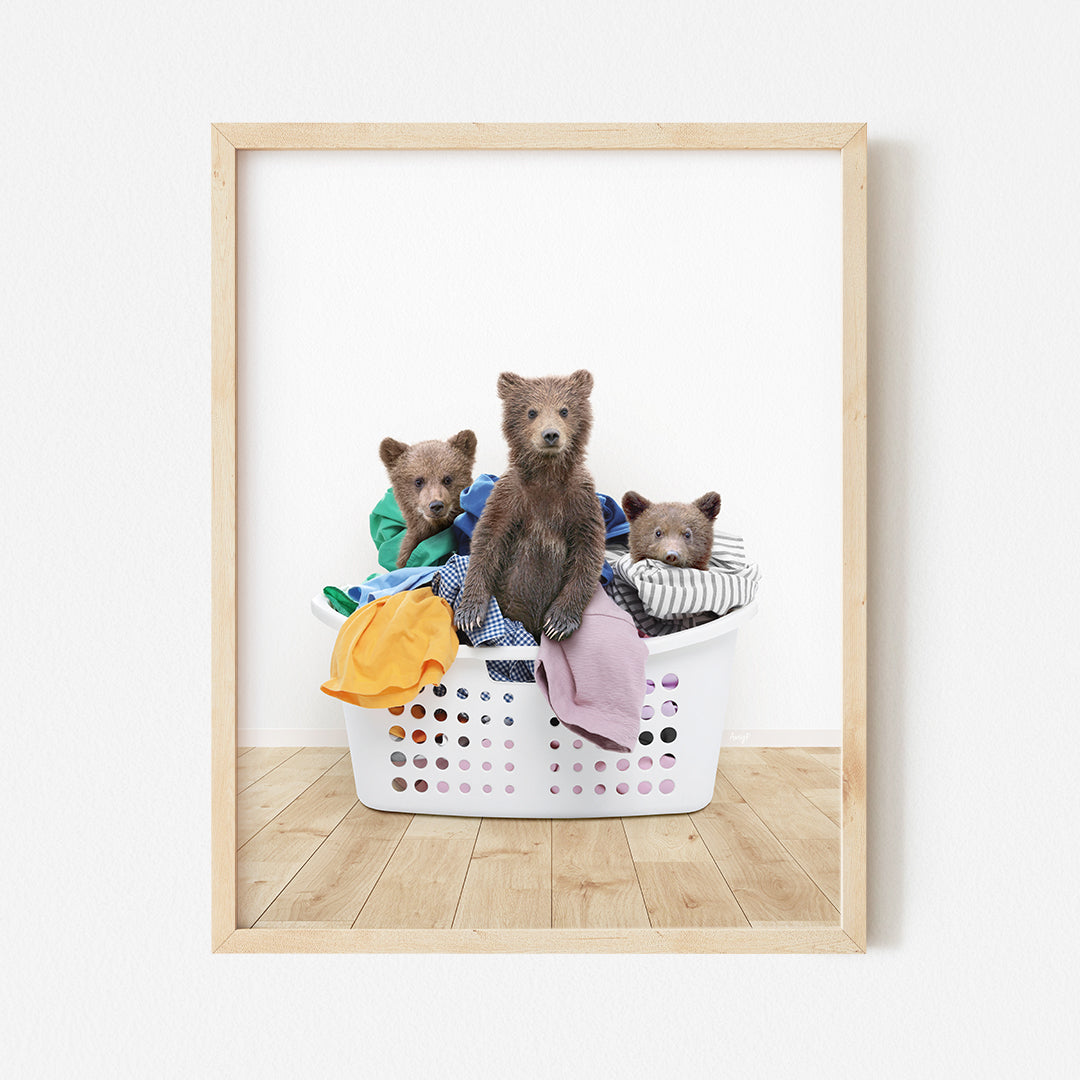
(388, 649)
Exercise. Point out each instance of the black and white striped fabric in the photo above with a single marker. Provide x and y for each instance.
(663, 599)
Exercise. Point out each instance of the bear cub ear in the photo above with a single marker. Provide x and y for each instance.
(709, 504)
(465, 441)
(508, 383)
(582, 382)
(390, 450)
(634, 505)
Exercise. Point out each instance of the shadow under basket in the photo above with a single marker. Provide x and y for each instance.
(478, 747)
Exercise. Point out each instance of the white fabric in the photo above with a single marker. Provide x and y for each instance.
(663, 599)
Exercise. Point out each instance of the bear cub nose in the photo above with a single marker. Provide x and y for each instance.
(551, 436)
(435, 507)
(671, 557)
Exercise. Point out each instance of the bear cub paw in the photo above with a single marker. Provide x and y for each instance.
(560, 624)
(470, 611)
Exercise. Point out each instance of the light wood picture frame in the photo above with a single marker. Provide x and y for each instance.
(849, 140)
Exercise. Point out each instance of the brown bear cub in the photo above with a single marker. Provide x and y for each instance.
(538, 547)
(679, 534)
(428, 478)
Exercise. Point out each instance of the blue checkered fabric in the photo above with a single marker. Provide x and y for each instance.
(496, 629)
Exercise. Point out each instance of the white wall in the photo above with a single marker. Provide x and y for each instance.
(382, 293)
(104, 447)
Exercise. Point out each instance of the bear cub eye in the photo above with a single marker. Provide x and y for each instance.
(686, 535)
(448, 480)
(419, 481)
(659, 533)
(532, 414)
(564, 412)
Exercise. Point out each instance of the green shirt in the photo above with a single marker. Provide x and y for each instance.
(388, 530)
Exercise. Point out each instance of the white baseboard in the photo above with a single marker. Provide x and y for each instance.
(336, 737)
(798, 737)
(293, 737)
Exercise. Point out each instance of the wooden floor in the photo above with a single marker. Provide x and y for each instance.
(764, 853)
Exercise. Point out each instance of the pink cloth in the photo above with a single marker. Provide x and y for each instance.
(595, 679)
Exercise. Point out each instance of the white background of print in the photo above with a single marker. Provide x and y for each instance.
(381, 294)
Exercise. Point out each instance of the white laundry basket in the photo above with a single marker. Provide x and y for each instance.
(477, 747)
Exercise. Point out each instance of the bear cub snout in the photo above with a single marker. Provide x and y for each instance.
(679, 534)
(428, 478)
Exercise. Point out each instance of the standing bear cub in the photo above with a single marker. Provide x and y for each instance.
(428, 478)
(538, 547)
(679, 534)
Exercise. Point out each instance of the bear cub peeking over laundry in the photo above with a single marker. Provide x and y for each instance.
(538, 547)
(428, 478)
(679, 534)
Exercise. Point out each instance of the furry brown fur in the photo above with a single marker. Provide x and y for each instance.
(538, 547)
(679, 534)
(428, 478)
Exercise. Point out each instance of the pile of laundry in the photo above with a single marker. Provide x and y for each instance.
(399, 632)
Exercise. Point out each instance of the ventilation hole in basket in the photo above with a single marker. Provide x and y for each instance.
(599, 789)
(487, 789)
(442, 763)
(647, 712)
(485, 695)
(669, 708)
(420, 785)
(509, 789)
(554, 744)
(462, 717)
(508, 721)
(667, 786)
(667, 761)
(398, 758)
(600, 766)
(399, 783)
(420, 761)
(419, 736)
(645, 738)
(644, 787)
(577, 766)
(440, 715)
(443, 786)
(439, 691)
(554, 721)
(508, 698)
(669, 734)
(509, 744)
(669, 681)
(463, 740)
(397, 733)
(396, 710)
(554, 766)
(462, 693)
(554, 789)
(645, 763)
(485, 743)
(509, 766)
(440, 738)
(486, 766)
(622, 789)
(418, 712)
(577, 789)
(485, 719)
(650, 686)
(463, 764)
(465, 789)
(622, 764)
